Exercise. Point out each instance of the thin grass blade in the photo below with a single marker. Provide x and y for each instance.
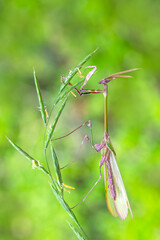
(67, 208)
(27, 156)
(77, 233)
(54, 124)
(41, 104)
(57, 168)
(67, 80)
(68, 91)
(75, 70)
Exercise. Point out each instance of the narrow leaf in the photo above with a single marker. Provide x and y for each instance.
(67, 208)
(68, 79)
(77, 233)
(75, 70)
(56, 167)
(60, 97)
(26, 155)
(54, 123)
(41, 104)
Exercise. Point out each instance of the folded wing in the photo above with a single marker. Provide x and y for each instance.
(118, 206)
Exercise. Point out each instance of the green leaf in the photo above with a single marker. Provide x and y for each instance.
(78, 234)
(66, 207)
(31, 159)
(67, 80)
(60, 97)
(56, 167)
(41, 104)
(54, 123)
(75, 70)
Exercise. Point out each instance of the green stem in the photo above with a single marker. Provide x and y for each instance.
(105, 108)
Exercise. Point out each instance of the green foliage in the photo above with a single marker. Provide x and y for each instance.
(52, 128)
(57, 167)
(41, 104)
(57, 186)
(26, 155)
(79, 236)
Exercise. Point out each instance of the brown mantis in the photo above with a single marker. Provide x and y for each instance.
(116, 196)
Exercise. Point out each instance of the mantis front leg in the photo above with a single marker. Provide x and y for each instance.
(83, 91)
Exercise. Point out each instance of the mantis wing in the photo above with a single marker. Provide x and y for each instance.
(119, 205)
(109, 199)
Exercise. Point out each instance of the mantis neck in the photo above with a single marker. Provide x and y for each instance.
(105, 108)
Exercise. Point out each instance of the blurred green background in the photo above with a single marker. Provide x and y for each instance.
(54, 36)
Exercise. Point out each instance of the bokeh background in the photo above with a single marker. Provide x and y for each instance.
(53, 37)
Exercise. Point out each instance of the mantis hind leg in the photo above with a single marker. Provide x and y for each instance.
(86, 138)
(89, 190)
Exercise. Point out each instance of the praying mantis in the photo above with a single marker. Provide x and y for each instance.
(116, 197)
(115, 193)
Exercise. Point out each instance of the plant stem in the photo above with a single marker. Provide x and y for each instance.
(105, 108)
